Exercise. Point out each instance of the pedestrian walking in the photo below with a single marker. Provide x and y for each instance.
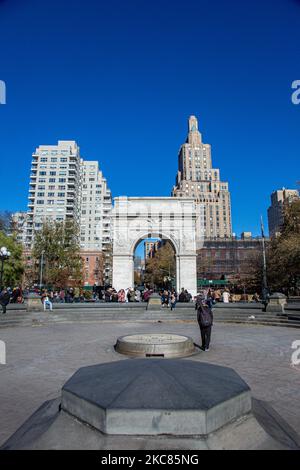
(4, 300)
(205, 321)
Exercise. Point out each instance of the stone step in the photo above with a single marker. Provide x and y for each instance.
(23, 318)
(122, 315)
(99, 320)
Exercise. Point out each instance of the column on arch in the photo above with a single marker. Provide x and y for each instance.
(178, 280)
(187, 273)
(123, 272)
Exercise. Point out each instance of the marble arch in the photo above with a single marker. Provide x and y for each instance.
(137, 218)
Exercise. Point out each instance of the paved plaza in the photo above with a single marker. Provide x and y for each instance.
(40, 359)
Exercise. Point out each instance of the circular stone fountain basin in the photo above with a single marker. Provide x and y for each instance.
(155, 345)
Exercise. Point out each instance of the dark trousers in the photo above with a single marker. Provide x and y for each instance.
(3, 308)
(205, 336)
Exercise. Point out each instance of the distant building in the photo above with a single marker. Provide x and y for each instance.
(227, 259)
(93, 268)
(95, 215)
(19, 226)
(150, 248)
(137, 263)
(63, 187)
(54, 188)
(279, 200)
(198, 179)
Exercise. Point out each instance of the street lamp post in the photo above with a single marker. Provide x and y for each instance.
(4, 255)
(265, 284)
(41, 269)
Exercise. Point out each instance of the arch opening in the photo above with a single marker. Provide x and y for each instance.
(154, 264)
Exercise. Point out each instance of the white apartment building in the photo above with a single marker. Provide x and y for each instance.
(95, 217)
(64, 186)
(54, 188)
(279, 200)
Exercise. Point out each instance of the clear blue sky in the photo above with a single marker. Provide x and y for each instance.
(122, 77)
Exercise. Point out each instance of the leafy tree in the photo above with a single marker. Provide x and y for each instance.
(161, 267)
(13, 267)
(253, 281)
(283, 254)
(58, 242)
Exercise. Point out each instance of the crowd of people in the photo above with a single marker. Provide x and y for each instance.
(226, 296)
(9, 295)
(69, 295)
(169, 297)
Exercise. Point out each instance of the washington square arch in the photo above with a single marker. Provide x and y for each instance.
(169, 218)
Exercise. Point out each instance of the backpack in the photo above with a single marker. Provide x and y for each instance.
(204, 316)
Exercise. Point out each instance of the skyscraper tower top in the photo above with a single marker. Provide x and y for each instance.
(194, 137)
(193, 123)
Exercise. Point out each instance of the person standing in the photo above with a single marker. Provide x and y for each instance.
(138, 295)
(77, 294)
(62, 296)
(225, 296)
(121, 296)
(182, 296)
(205, 321)
(131, 295)
(165, 298)
(173, 300)
(4, 300)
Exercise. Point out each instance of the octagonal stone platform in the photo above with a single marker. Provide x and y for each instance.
(155, 345)
(153, 397)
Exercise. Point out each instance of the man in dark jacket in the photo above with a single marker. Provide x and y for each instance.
(205, 321)
(182, 296)
(4, 300)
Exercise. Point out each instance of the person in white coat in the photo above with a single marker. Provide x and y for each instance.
(225, 297)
